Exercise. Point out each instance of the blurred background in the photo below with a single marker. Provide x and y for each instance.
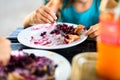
(12, 13)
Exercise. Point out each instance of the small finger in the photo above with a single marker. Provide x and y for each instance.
(89, 31)
(50, 12)
(94, 34)
(37, 20)
(92, 30)
(45, 20)
(47, 16)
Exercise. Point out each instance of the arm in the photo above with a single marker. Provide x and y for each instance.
(55, 5)
(44, 14)
(5, 51)
(111, 4)
(107, 4)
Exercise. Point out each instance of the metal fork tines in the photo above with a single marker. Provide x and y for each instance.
(62, 33)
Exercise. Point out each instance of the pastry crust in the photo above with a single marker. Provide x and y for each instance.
(73, 37)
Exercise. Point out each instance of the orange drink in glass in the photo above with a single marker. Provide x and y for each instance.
(108, 46)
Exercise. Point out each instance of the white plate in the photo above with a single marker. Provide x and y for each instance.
(63, 70)
(56, 42)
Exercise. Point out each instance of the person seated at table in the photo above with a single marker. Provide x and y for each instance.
(84, 12)
(5, 51)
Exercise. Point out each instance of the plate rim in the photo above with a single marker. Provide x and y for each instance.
(56, 54)
(49, 48)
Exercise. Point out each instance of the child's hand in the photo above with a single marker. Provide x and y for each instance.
(93, 31)
(44, 15)
(5, 51)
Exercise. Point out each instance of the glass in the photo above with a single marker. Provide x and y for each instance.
(108, 45)
(83, 66)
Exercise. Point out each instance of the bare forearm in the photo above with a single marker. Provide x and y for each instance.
(112, 4)
(55, 5)
(107, 4)
(28, 20)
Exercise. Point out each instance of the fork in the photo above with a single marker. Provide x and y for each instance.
(62, 33)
